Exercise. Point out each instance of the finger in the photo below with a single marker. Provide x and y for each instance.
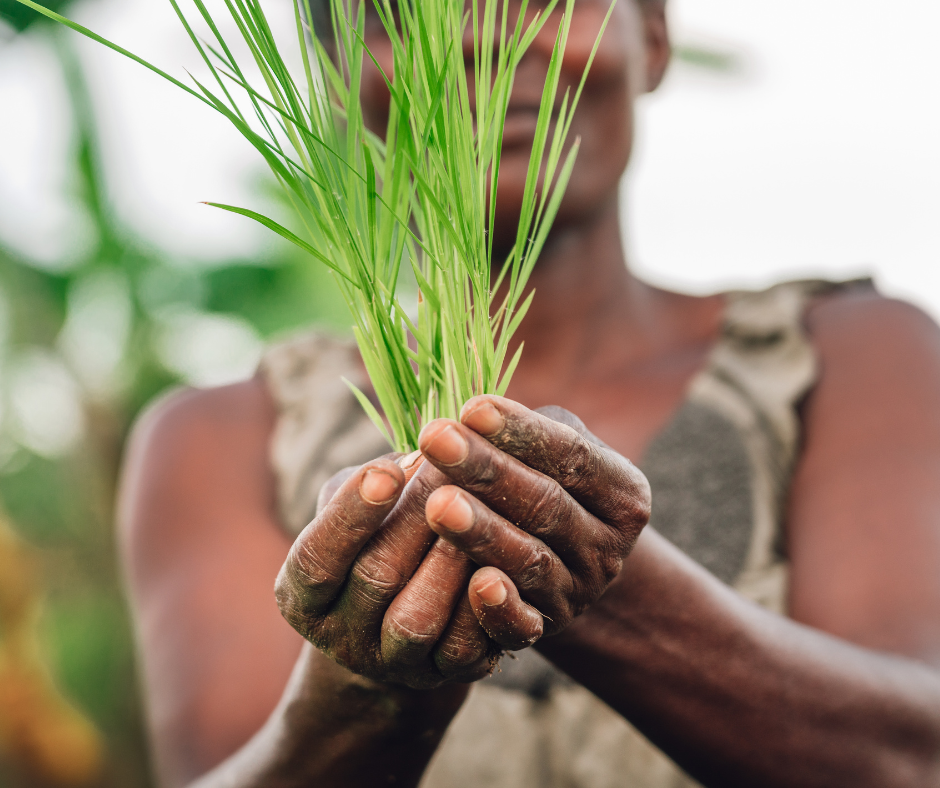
(520, 494)
(603, 481)
(320, 558)
(328, 490)
(562, 416)
(534, 569)
(409, 464)
(418, 616)
(386, 564)
(465, 652)
(506, 618)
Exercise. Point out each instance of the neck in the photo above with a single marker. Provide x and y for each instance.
(592, 319)
(584, 292)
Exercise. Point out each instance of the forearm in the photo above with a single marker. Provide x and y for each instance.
(333, 728)
(739, 696)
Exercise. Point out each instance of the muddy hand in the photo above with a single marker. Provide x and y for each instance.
(371, 586)
(545, 509)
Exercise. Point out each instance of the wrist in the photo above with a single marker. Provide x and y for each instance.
(333, 727)
(336, 697)
(623, 617)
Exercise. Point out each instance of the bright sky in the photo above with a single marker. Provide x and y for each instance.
(823, 158)
(820, 157)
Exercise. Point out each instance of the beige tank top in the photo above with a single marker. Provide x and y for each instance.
(719, 472)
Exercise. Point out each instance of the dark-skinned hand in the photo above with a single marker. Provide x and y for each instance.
(371, 586)
(545, 508)
(535, 517)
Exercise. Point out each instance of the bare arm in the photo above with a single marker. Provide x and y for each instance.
(367, 582)
(847, 693)
(333, 728)
(232, 695)
(738, 696)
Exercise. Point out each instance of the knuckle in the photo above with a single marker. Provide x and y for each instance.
(293, 610)
(457, 654)
(597, 567)
(536, 568)
(310, 568)
(642, 499)
(483, 472)
(545, 507)
(415, 622)
(486, 538)
(287, 601)
(610, 563)
(632, 506)
(348, 651)
(401, 633)
(315, 631)
(577, 468)
(343, 519)
(584, 592)
(376, 577)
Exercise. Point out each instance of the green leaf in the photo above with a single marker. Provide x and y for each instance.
(507, 375)
(284, 233)
(426, 192)
(373, 414)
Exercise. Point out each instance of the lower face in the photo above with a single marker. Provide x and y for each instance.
(603, 121)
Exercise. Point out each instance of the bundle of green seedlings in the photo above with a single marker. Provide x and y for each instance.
(423, 197)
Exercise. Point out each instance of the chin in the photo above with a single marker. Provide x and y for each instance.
(581, 203)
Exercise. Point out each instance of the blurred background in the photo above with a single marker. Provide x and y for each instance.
(789, 140)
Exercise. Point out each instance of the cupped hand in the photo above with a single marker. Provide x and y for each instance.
(535, 517)
(547, 510)
(372, 586)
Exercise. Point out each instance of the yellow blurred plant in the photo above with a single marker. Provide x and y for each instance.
(40, 732)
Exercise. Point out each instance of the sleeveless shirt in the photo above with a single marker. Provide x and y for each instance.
(719, 472)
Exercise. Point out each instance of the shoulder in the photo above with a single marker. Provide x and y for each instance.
(879, 364)
(864, 322)
(193, 456)
(189, 415)
(186, 427)
(864, 507)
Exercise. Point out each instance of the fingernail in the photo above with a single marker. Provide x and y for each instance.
(409, 459)
(494, 593)
(458, 516)
(448, 447)
(484, 419)
(378, 486)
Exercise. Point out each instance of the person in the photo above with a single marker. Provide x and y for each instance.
(776, 624)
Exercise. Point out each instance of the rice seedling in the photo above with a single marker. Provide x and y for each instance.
(421, 197)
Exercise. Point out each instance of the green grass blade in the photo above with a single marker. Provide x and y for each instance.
(284, 233)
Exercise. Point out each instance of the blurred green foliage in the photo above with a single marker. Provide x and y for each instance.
(708, 58)
(62, 503)
(19, 17)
